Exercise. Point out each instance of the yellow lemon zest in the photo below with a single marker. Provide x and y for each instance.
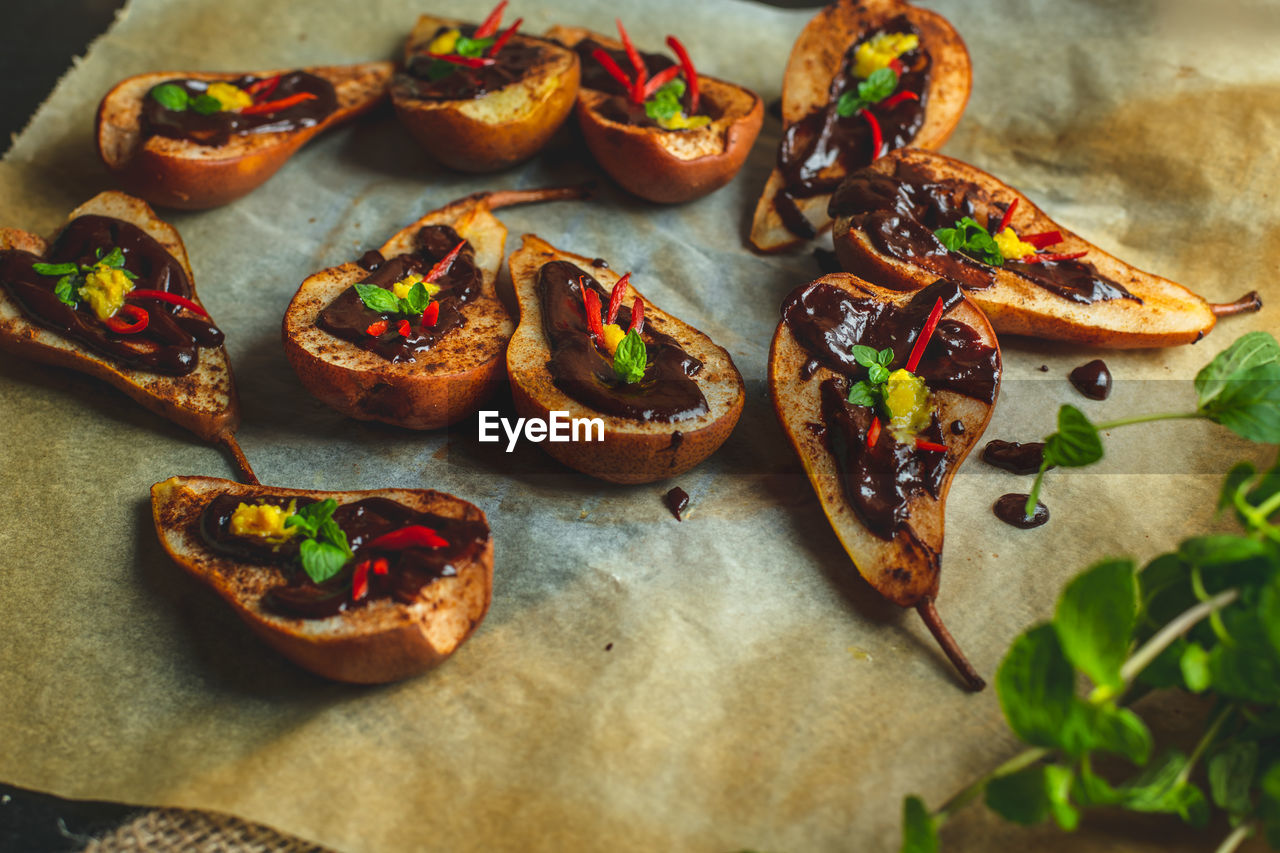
(680, 121)
(1011, 247)
(263, 521)
(402, 287)
(231, 98)
(613, 335)
(104, 289)
(444, 43)
(877, 52)
(907, 399)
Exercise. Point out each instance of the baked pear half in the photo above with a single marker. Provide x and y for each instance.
(679, 402)
(914, 71)
(442, 363)
(883, 394)
(113, 296)
(410, 581)
(478, 98)
(661, 130)
(897, 218)
(197, 139)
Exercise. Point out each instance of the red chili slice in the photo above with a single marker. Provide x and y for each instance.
(877, 138)
(922, 341)
(896, 65)
(140, 320)
(465, 61)
(615, 298)
(690, 73)
(1043, 240)
(873, 433)
(893, 100)
(166, 296)
(413, 536)
(403, 328)
(1049, 256)
(360, 581)
(272, 106)
(614, 71)
(637, 316)
(659, 80)
(931, 445)
(431, 314)
(490, 25)
(591, 303)
(505, 37)
(380, 566)
(1008, 214)
(263, 88)
(376, 328)
(637, 62)
(443, 265)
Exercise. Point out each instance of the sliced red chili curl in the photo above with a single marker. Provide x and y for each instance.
(931, 445)
(612, 67)
(1008, 214)
(442, 266)
(917, 351)
(1049, 256)
(637, 62)
(877, 137)
(413, 536)
(360, 581)
(431, 314)
(166, 296)
(615, 298)
(893, 100)
(873, 433)
(376, 328)
(490, 25)
(896, 65)
(591, 302)
(690, 73)
(140, 320)
(637, 316)
(273, 106)
(466, 61)
(1043, 240)
(403, 328)
(380, 566)
(264, 87)
(505, 37)
(659, 80)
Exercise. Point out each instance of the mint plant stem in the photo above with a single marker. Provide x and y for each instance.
(1166, 636)
(1235, 839)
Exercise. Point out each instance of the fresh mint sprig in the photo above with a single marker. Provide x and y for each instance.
(973, 239)
(324, 550)
(383, 301)
(630, 358)
(665, 103)
(873, 90)
(71, 276)
(870, 391)
(173, 97)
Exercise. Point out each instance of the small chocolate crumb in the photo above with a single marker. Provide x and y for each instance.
(957, 427)
(677, 501)
(1044, 368)
(609, 647)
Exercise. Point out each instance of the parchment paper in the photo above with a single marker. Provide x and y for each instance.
(639, 684)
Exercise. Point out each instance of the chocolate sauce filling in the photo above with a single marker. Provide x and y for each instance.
(409, 570)
(820, 149)
(217, 128)
(1014, 456)
(171, 342)
(437, 80)
(677, 501)
(620, 108)
(1092, 379)
(666, 393)
(1012, 510)
(827, 321)
(900, 213)
(349, 318)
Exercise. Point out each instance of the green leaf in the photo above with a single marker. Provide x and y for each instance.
(877, 374)
(1194, 663)
(878, 86)
(849, 104)
(1076, 443)
(885, 356)
(866, 356)
(439, 69)
(665, 103)
(472, 47)
(1231, 770)
(171, 96)
(1240, 474)
(1249, 351)
(1247, 667)
(1095, 620)
(919, 834)
(321, 560)
(114, 258)
(1036, 686)
(332, 534)
(55, 269)
(862, 394)
(629, 358)
(1020, 797)
(1249, 404)
(1057, 787)
(312, 516)
(67, 290)
(377, 298)
(206, 105)
(1115, 730)
(417, 298)
(972, 238)
(1161, 790)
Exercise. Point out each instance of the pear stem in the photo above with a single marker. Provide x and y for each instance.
(243, 468)
(1246, 304)
(929, 613)
(508, 198)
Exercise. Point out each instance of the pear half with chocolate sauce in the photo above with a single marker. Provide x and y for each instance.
(817, 71)
(668, 166)
(378, 639)
(448, 381)
(203, 400)
(885, 499)
(885, 235)
(634, 449)
(186, 174)
(494, 129)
